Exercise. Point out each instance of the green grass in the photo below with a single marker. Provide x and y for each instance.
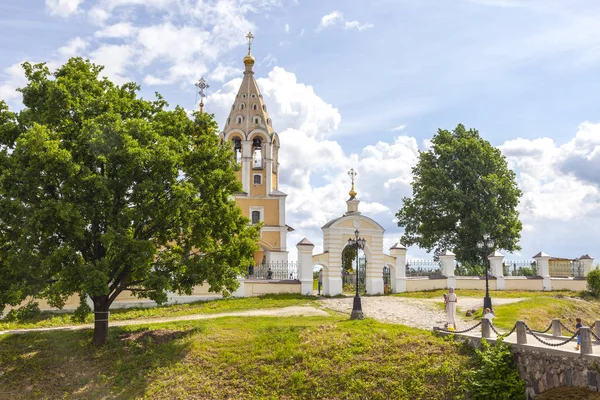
(504, 294)
(53, 319)
(237, 358)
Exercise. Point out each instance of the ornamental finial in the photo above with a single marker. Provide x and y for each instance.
(352, 173)
(202, 86)
(250, 38)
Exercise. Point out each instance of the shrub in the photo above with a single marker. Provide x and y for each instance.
(593, 281)
(495, 376)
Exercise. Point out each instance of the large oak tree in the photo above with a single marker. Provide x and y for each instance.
(102, 191)
(464, 194)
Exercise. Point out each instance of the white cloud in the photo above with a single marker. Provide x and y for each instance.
(336, 17)
(222, 72)
(63, 8)
(287, 28)
(119, 30)
(73, 48)
(357, 25)
(116, 60)
(13, 78)
(399, 127)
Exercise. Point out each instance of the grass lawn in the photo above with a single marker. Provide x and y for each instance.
(537, 309)
(53, 319)
(236, 358)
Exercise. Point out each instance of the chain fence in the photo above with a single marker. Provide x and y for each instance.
(549, 343)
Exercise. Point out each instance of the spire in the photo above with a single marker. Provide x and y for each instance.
(249, 60)
(352, 173)
(249, 112)
(202, 86)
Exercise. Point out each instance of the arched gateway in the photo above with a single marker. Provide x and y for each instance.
(335, 238)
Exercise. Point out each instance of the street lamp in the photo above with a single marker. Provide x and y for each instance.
(484, 247)
(359, 243)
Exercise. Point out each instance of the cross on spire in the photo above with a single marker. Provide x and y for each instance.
(352, 173)
(202, 86)
(250, 38)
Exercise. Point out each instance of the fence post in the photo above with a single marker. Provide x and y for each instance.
(521, 333)
(305, 266)
(586, 340)
(496, 259)
(588, 264)
(556, 329)
(447, 267)
(241, 290)
(485, 328)
(399, 280)
(543, 269)
(597, 328)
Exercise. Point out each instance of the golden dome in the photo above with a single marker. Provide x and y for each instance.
(249, 60)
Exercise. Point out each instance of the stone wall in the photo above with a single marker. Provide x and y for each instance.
(545, 369)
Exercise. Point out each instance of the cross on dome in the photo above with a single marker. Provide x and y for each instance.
(202, 86)
(250, 38)
(352, 173)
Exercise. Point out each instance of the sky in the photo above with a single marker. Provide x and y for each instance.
(362, 85)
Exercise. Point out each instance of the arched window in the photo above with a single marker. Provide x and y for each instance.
(264, 107)
(239, 119)
(257, 179)
(256, 120)
(228, 120)
(255, 106)
(242, 105)
(244, 96)
(255, 217)
(257, 161)
(237, 149)
(269, 121)
(253, 95)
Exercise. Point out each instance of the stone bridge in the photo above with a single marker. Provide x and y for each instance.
(546, 359)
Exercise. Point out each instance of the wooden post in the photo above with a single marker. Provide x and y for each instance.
(521, 333)
(597, 328)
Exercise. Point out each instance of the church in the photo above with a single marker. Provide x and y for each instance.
(256, 147)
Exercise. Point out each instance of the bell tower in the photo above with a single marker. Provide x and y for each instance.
(255, 143)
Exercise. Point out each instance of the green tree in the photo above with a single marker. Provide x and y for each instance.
(348, 256)
(495, 376)
(102, 191)
(463, 193)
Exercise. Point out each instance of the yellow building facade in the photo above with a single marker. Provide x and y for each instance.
(256, 145)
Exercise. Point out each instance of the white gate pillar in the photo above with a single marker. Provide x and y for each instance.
(305, 266)
(543, 269)
(447, 266)
(497, 269)
(399, 280)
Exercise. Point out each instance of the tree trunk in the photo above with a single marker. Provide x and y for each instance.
(101, 315)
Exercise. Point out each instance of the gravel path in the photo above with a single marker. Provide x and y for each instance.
(420, 313)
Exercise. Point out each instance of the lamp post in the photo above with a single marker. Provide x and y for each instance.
(483, 246)
(359, 243)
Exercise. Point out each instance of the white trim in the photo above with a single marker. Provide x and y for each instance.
(260, 209)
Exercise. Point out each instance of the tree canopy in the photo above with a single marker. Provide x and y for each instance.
(463, 194)
(102, 191)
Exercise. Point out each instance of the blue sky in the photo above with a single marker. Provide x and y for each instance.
(363, 85)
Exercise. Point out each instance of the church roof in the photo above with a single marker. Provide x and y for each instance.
(249, 111)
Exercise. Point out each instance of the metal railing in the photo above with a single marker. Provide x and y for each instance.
(520, 268)
(279, 270)
(430, 268)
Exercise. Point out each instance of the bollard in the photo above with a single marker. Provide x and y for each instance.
(556, 329)
(521, 333)
(597, 328)
(586, 340)
(485, 328)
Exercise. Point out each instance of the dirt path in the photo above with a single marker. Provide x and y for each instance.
(274, 312)
(420, 313)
